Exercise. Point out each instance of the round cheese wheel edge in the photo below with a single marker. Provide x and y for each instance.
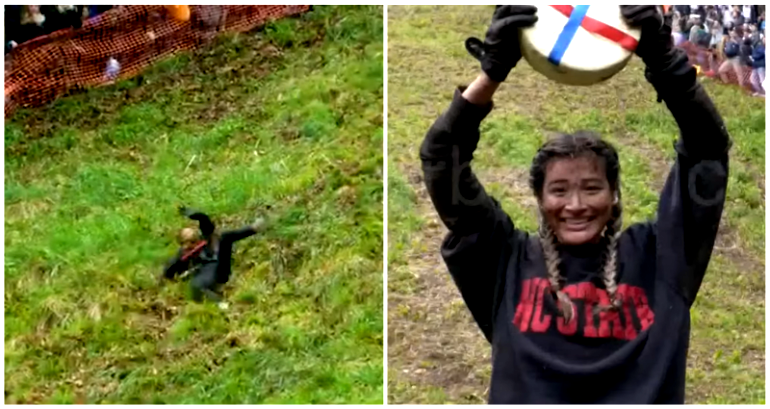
(589, 58)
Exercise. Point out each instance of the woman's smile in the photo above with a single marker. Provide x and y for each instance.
(577, 200)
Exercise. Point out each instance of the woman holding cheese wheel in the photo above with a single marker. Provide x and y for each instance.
(583, 311)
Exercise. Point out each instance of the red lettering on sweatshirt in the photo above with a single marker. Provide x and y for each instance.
(624, 295)
(526, 302)
(587, 293)
(541, 321)
(607, 318)
(533, 315)
(643, 310)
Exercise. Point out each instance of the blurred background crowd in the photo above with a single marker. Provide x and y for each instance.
(725, 42)
(23, 23)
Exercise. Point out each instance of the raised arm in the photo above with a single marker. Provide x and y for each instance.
(206, 225)
(446, 153)
(693, 197)
(448, 148)
(477, 248)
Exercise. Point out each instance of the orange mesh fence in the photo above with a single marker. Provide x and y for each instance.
(47, 67)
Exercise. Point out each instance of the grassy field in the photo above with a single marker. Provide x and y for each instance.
(436, 352)
(285, 122)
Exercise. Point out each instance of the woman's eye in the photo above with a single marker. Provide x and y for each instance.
(593, 190)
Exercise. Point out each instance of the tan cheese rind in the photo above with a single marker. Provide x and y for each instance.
(589, 59)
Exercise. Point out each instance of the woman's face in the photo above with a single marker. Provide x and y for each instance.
(577, 200)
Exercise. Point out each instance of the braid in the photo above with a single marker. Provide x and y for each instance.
(612, 234)
(571, 146)
(552, 261)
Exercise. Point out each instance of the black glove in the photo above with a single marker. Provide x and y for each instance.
(656, 42)
(668, 68)
(500, 51)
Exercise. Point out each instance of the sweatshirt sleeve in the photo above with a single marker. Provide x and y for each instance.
(693, 197)
(175, 266)
(477, 248)
(204, 221)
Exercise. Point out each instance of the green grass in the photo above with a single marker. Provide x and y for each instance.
(435, 357)
(286, 122)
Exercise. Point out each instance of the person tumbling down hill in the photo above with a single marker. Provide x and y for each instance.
(206, 256)
(582, 311)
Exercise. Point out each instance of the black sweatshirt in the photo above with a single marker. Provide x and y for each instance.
(203, 261)
(635, 355)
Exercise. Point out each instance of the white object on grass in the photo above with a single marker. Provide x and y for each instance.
(259, 223)
(113, 69)
(561, 47)
(223, 305)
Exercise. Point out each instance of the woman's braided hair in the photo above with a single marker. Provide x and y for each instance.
(582, 143)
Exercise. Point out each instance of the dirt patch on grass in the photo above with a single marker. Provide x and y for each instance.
(728, 245)
(432, 339)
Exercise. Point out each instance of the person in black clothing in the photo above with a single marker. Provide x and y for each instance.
(208, 255)
(61, 17)
(582, 311)
(24, 23)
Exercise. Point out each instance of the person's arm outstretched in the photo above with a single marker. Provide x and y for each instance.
(693, 198)
(480, 231)
(204, 221)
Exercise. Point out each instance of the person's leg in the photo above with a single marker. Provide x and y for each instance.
(761, 74)
(754, 78)
(738, 71)
(712, 64)
(726, 65)
(204, 284)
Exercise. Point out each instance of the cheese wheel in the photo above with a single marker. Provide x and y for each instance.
(579, 45)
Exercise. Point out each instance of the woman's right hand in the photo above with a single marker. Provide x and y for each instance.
(500, 51)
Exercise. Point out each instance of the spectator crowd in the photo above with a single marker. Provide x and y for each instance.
(725, 42)
(23, 23)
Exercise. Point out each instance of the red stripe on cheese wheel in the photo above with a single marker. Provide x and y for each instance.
(597, 27)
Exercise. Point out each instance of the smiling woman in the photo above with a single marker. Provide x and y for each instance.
(576, 180)
(584, 311)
